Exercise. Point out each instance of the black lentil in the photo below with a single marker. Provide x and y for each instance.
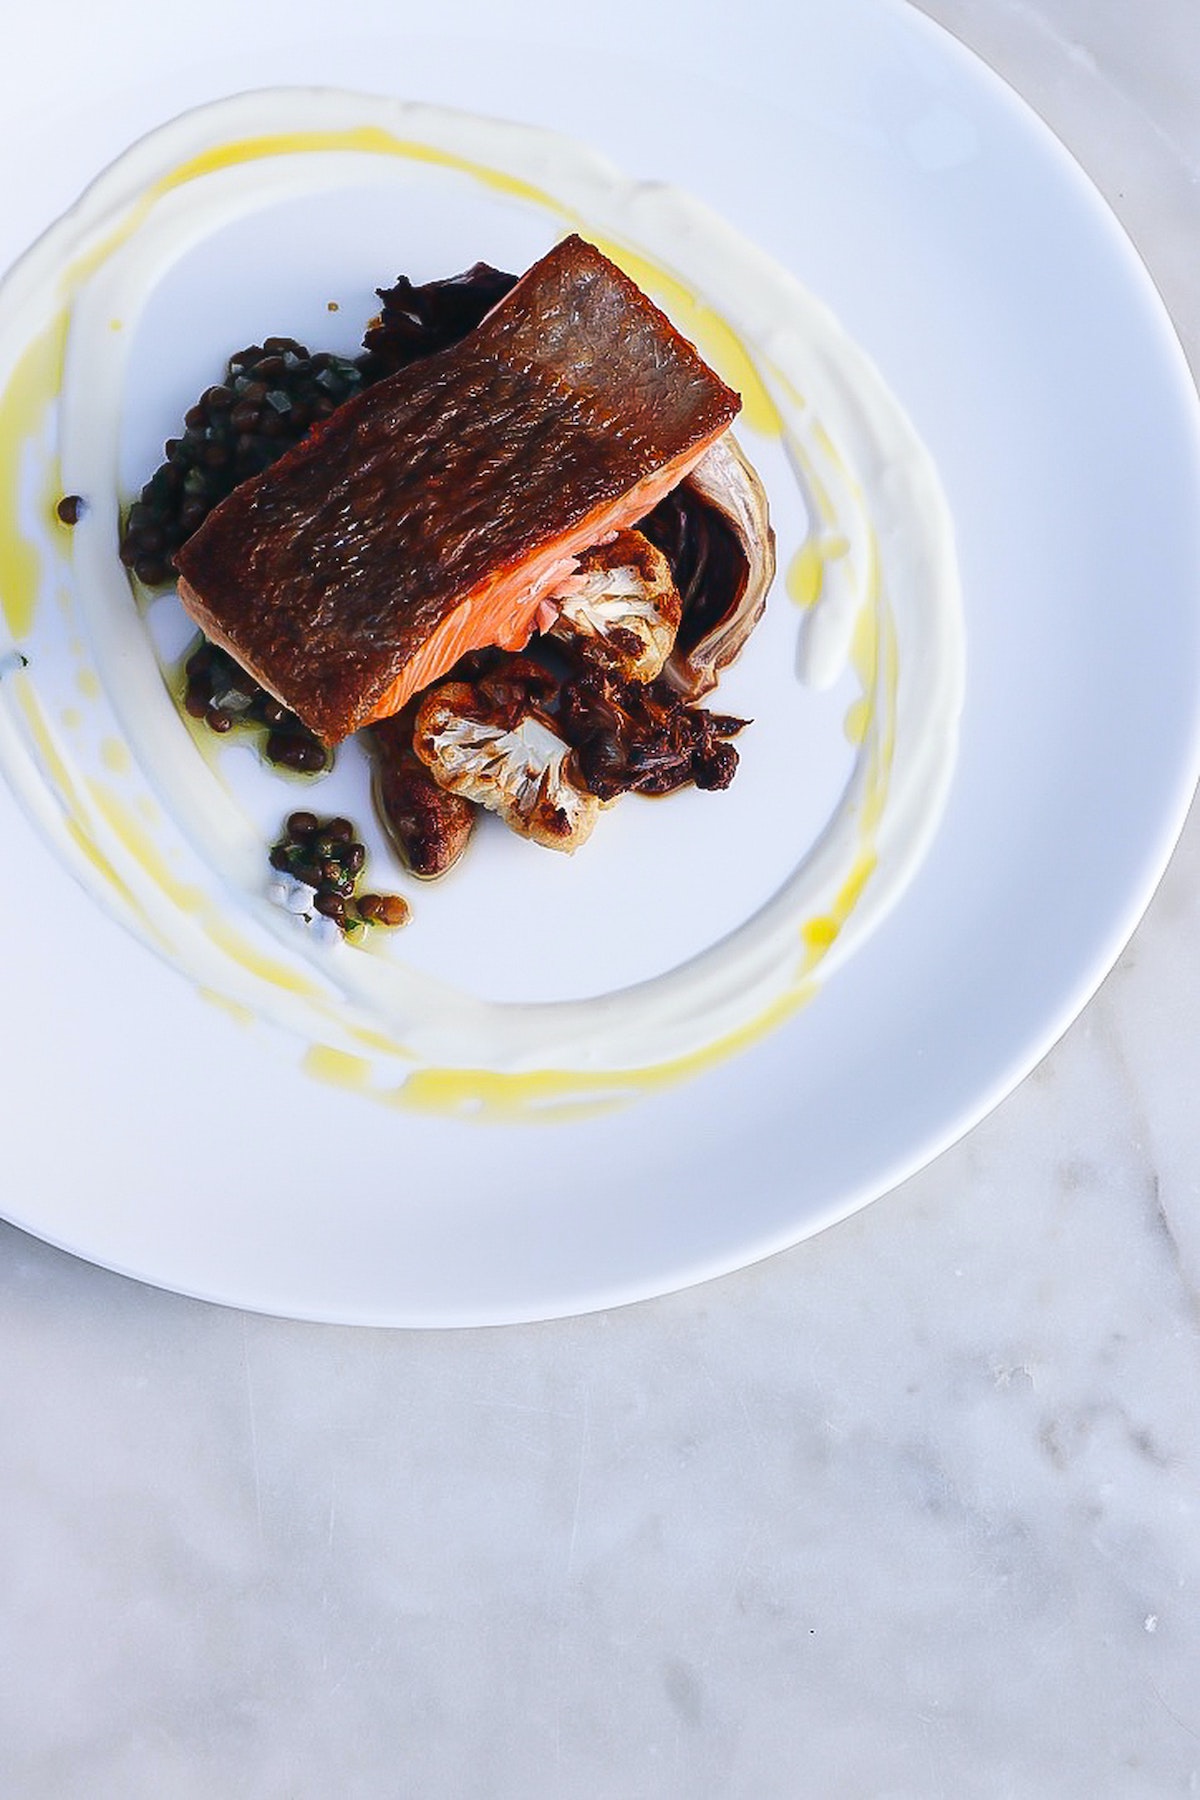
(326, 856)
(220, 694)
(268, 400)
(297, 750)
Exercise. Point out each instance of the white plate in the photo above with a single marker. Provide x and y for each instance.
(970, 258)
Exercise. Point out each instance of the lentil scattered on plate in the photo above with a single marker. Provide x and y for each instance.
(326, 857)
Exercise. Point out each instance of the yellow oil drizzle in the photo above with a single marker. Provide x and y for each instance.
(88, 683)
(828, 448)
(874, 656)
(370, 140)
(857, 722)
(864, 645)
(787, 387)
(24, 406)
(72, 718)
(115, 883)
(114, 754)
(805, 578)
(134, 838)
(819, 934)
(806, 574)
(241, 1015)
(144, 851)
(888, 682)
(337, 1067)
(563, 1095)
(379, 1040)
(817, 492)
(364, 139)
(266, 968)
(58, 770)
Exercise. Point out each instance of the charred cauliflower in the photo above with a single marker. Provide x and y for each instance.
(621, 607)
(493, 742)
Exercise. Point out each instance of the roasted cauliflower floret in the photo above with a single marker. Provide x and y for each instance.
(620, 607)
(492, 742)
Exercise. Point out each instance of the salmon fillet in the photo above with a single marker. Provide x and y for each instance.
(435, 511)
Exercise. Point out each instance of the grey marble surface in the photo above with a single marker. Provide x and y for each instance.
(910, 1511)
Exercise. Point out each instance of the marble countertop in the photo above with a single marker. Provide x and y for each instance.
(910, 1511)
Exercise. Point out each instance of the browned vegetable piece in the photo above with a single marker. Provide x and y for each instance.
(428, 824)
(640, 737)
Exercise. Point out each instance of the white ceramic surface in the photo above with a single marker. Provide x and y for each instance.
(974, 263)
(908, 1511)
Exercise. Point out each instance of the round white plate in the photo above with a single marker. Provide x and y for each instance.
(966, 253)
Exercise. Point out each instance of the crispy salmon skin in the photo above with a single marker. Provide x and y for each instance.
(433, 512)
